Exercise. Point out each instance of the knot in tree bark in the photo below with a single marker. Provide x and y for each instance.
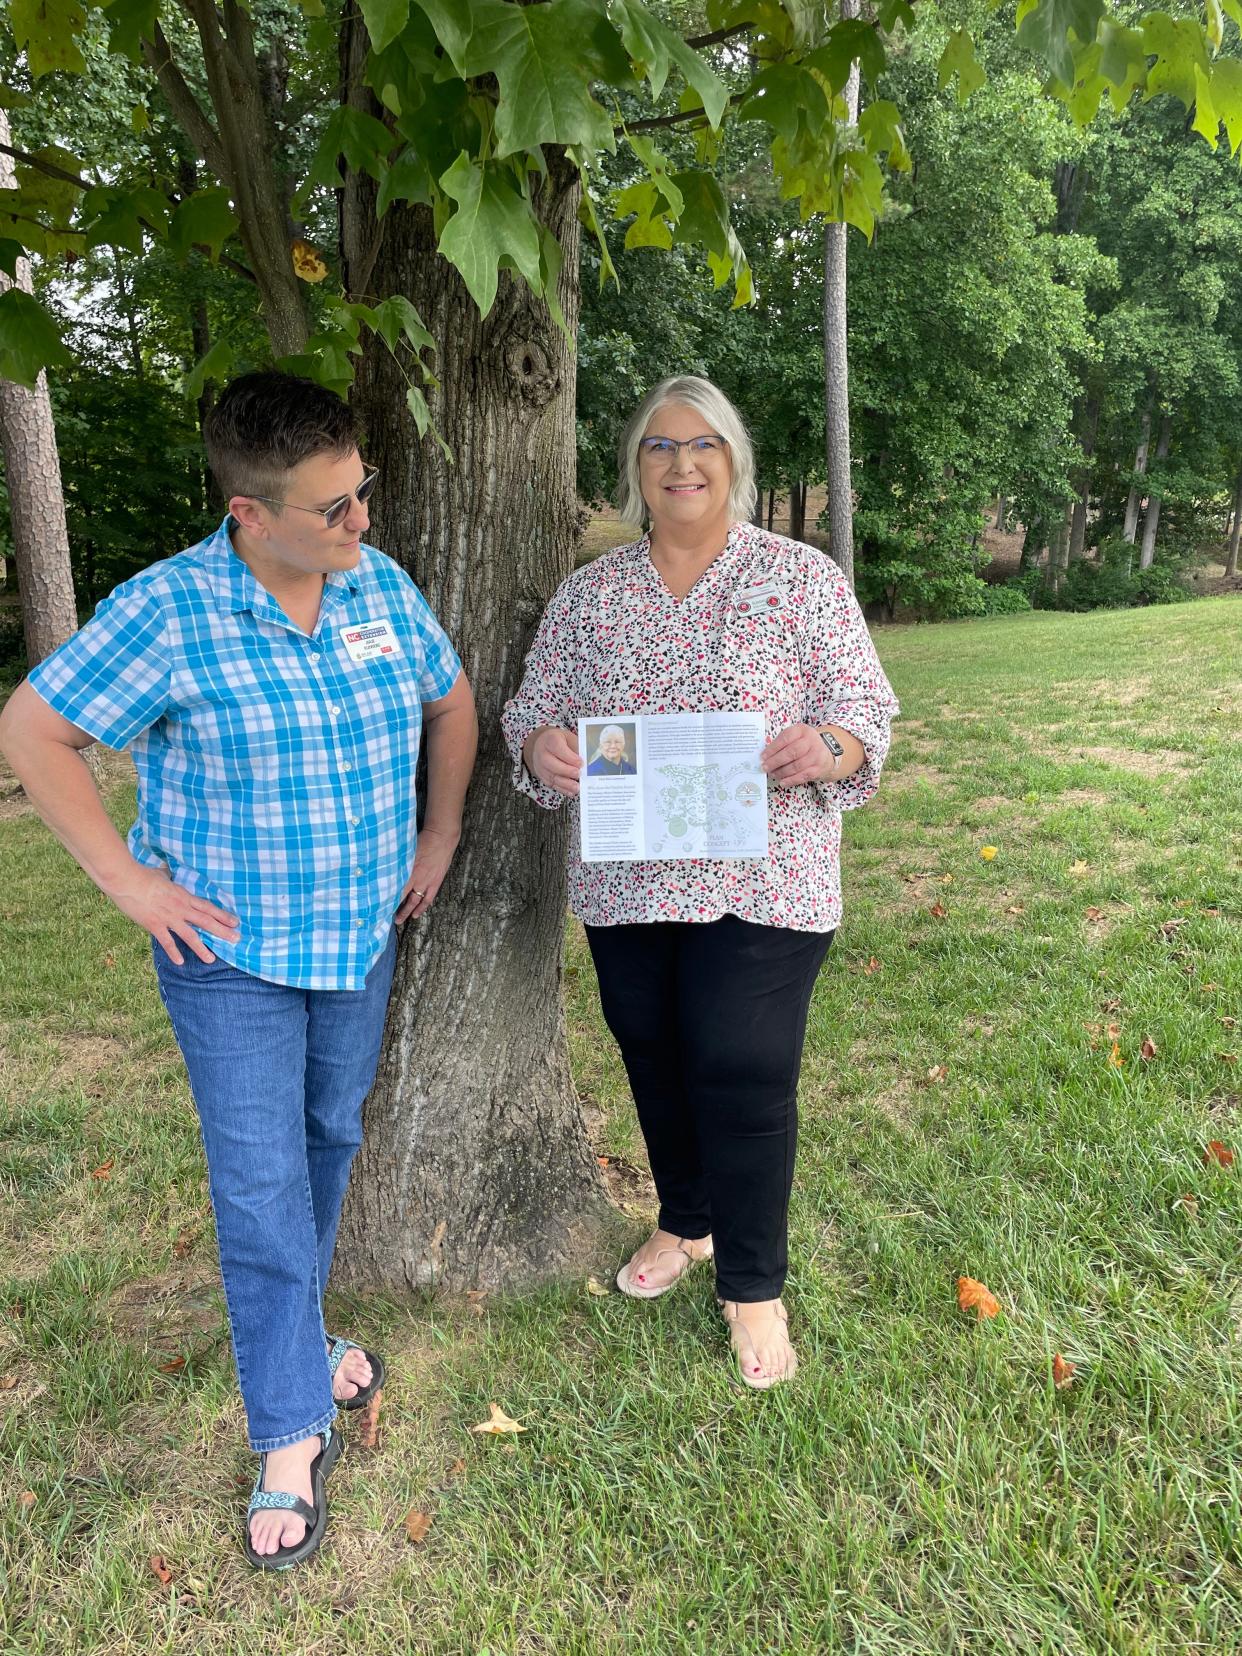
(532, 371)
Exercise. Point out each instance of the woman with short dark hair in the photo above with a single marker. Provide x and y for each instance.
(706, 966)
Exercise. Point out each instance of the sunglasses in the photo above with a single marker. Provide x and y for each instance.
(334, 514)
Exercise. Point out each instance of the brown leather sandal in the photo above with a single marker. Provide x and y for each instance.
(750, 1369)
(639, 1286)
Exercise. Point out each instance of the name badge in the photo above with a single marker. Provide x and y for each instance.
(366, 640)
(757, 600)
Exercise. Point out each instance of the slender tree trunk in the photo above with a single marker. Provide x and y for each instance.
(1130, 528)
(797, 510)
(1235, 534)
(36, 495)
(837, 367)
(1058, 549)
(1002, 512)
(1152, 520)
(771, 505)
(476, 1169)
(1078, 521)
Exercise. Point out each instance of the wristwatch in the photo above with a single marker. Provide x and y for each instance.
(830, 742)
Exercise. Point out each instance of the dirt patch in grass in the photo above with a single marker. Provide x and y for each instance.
(85, 1055)
(900, 1104)
(1082, 796)
(1155, 766)
(908, 777)
(1225, 1106)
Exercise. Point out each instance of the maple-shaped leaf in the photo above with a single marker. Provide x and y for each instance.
(498, 1423)
(493, 225)
(1149, 1049)
(977, 1297)
(1219, 1153)
(1062, 1372)
(104, 1170)
(417, 1524)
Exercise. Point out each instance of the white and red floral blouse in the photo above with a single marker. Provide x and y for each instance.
(614, 640)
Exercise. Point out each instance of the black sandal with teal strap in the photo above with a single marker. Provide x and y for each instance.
(279, 1500)
(362, 1398)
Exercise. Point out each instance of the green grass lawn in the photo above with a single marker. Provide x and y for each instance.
(975, 1101)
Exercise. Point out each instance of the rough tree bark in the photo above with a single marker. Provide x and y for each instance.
(36, 495)
(1130, 527)
(837, 367)
(797, 510)
(1151, 521)
(476, 1169)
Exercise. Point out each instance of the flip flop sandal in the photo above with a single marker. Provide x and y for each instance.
(279, 1500)
(360, 1399)
(749, 1369)
(627, 1279)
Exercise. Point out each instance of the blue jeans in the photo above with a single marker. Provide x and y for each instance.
(279, 1076)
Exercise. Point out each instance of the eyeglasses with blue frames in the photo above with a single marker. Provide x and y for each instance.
(337, 512)
(667, 448)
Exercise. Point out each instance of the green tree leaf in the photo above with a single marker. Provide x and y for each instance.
(130, 22)
(364, 142)
(656, 48)
(216, 365)
(1227, 94)
(1179, 50)
(47, 30)
(492, 226)
(29, 339)
(385, 20)
(1044, 27)
(120, 218)
(407, 179)
(545, 59)
(204, 219)
(396, 318)
(958, 58)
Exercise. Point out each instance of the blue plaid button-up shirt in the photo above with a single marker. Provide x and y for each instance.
(275, 769)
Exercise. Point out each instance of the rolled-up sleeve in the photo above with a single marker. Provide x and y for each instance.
(112, 679)
(546, 693)
(845, 684)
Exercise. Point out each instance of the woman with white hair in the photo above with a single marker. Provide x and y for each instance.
(706, 966)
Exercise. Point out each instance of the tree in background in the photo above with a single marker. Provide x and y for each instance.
(455, 173)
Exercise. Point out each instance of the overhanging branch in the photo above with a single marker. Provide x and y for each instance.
(184, 105)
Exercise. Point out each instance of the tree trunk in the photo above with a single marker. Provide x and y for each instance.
(1058, 549)
(1130, 529)
(1078, 521)
(797, 511)
(476, 1170)
(1235, 534)
(1152, 520)
(1002, 512)
(36, 496)
(771, 505)
(837, 367)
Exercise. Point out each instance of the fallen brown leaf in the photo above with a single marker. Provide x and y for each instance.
(596, 1288)
(1170, 928)
(1094, 913)
(104, 1170)
(1062, 1372)
(602, 1160)
(498, 1423)
(974, 1296)
(27, 1499)
(938, 911)
(1080, 867)
(872, 966)
(457, 1470)
(174, 1365)
(1219, 1153)
(1227, 1023)
(1227, 1057)
(1113, 1031)
(7, 1382)
(1190, 1205)
(109, 960)
(417, 1524)
(937, 1072)
(368, 1426)
(1149, 1049)
(159, 1568)
(1016, 908)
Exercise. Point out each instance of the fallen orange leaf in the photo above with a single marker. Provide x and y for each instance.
(1114, 1058)
(174, 1365)
(7, 1382)
(1219, 1153)
(159, 1568)
(1062, 1372)
(417, 1524)
(974, 1296)
(27, 1499)
(872, 965)
(368, 1426)
(1149, 1049)
(498, 1424)
(1094, 913)
(104, 1170)
(602, 1160)
(938, 911)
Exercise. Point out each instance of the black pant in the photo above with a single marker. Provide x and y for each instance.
(710, 1019)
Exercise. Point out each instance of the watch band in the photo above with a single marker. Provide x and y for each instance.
(830, 742)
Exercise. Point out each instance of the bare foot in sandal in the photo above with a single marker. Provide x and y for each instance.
(660, 1262)
(760, 1335)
